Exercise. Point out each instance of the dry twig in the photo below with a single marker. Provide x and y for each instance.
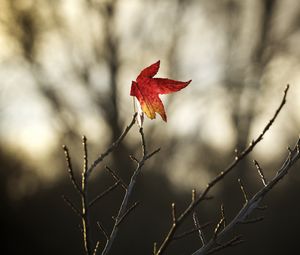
(116, 177)
(189, 232)
(84, 214)
(113, 146)
(261, 173)
(253, 203)
(238, 158)
(123, 211)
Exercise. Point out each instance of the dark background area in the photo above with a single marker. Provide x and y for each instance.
(66, 69)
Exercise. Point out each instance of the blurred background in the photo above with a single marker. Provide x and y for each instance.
(65, 70)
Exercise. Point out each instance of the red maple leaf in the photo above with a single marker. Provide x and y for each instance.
(146, 89)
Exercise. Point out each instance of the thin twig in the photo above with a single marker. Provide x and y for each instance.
(143, 142)
(250, 221)
(102, 230)
(105, 192)
(70, 169)
(84, 214)
(152, 154)
(96, 248)
(260, 172)
(174, 213)
(133, 159)
(113, 146)
(71, 204)
(194, 194)
(154, 248)
(116, 177)
(84, 201)
(234, 241)
(129, 210)
(243, 215)
(189, 232)
(123, 211)
(219, 177)
(199, 227)
(218, 228)
(85, 154)
(196, 220)
(223, 215)
(243, 190)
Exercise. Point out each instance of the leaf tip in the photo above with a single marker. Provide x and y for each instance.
(187, 83)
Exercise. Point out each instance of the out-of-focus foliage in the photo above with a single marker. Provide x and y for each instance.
(66, 69)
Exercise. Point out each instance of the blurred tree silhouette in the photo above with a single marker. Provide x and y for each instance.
(79, 57)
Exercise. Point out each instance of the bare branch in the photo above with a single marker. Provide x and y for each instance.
(218, 228)
(72, 206)
(105, 192)
(234, 241)
(152, 154)
(85, 215)
(174, 213)
(253, 203)
(223, 215)
(250, 221)
(243, 190)
(194, 194)
(143, 142)
(123, 211)
(154, 248)
(189, 232)
(85, 154)
(116, 177)
(113, 146)
(196, 220)
(125, 215)
(133, 159)
(102, 230)
(260, 172)
(199, 228)
(70, 169)
(219, 177)
(96, 248)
